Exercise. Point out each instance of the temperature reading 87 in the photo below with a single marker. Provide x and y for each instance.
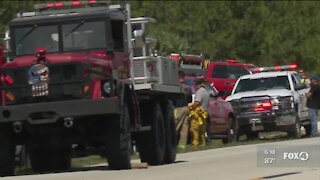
(269, 160)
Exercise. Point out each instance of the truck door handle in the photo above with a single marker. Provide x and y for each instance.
(227, 84)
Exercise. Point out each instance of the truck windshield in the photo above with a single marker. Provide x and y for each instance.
(262, 84)
(28, 39)
(84, 35)
(75, 37)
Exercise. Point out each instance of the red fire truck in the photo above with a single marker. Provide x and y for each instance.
(76, 77)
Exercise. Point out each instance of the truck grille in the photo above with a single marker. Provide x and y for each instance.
(250, 105)
(65, 82)
(262, 104)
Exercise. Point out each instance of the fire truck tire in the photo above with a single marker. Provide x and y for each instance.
(151, 144)
(119, 142)
(44, 159)
(171, 134)
(232, 135)
(295, 129)
(6, 153)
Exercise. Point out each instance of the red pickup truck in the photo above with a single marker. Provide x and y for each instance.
(224, 74)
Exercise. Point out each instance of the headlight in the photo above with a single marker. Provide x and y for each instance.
(275, 101)
(107, 87)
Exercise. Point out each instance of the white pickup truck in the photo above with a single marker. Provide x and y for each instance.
(271, 101)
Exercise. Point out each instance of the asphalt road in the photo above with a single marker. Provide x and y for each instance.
(234, 163)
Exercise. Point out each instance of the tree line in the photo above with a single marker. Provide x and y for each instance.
(260, 32)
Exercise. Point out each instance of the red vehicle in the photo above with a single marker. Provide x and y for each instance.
(225, 74)
(222, 123)
(69, 87)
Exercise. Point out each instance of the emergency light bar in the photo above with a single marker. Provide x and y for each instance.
(175, 56)
(275, 68)
(232, 61)
(68, 4)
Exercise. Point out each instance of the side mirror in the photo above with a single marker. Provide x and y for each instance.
(7, 54)
(219, 94)
(139, 38)
(299, 87)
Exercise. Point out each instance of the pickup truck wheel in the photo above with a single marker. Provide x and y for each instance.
(308, 129)
(119, 142)
(232, 135)
(44, 159)
(171, 140)
(252, 135)
(6, 153)
(295, 129)
(151, 145)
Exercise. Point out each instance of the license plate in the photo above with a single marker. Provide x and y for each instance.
(257, 127)
(255, 121)
(40, 89)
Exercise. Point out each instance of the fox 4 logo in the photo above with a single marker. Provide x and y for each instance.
(302, 156)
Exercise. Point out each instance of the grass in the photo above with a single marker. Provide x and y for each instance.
(88, 161)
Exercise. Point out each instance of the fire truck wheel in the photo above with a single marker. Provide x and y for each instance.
(119, 142)
(45, 159)
(151, 144)
(6, 153)
(232, 135)
(171, 135)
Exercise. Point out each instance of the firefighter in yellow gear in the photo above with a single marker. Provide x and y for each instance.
(198, 113)
(205, 64)
(198, 118)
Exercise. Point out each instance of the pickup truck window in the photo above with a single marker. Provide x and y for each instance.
(228, 72)
(296, 80)
(262, 84)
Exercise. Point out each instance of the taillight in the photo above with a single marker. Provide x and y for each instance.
(264, 106)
